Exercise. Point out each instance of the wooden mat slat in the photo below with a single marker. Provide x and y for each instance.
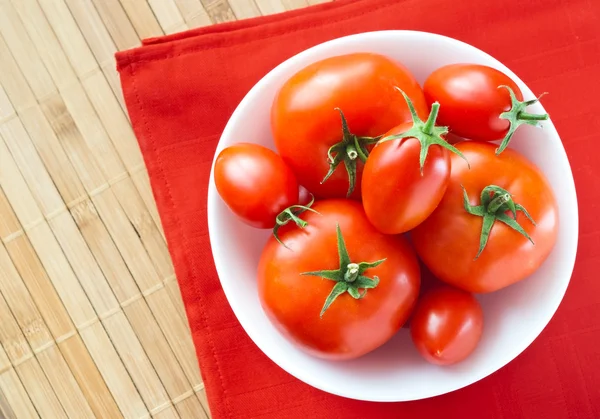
(92, 319)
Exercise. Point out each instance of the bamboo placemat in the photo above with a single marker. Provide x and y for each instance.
(91, 319)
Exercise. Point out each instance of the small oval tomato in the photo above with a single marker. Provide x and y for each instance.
(340, 288)
(406, 174)
(446, 325)
(479, 102)
(306, 122)
(495, 225)
(255, 183)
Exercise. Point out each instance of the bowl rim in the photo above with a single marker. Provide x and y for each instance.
(229, 289)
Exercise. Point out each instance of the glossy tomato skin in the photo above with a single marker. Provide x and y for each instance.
(470, 100)
(395, 195)
(448, 241)
(350, 327)
(446, 325)
(305, 123)
(255, 183)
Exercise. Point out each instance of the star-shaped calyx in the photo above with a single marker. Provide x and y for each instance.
(348, 277)
(495, 202)
(517, 116)
(427, 133)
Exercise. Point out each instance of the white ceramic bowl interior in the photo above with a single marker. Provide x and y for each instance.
(514, 317)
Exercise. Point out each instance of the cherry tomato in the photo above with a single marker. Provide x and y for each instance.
(340, 288)
(446, 325)
(255, 183)
(406, 175)
(497, 230)
(307, 124)
(475, 106)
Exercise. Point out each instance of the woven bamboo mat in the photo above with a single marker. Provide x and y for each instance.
(91, 319)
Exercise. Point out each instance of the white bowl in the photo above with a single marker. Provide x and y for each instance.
(514, 317)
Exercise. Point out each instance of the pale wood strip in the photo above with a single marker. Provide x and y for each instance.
(17, 191)
(113, 371)
(89, 378)
(127, 241)
(146, 229)
(39, 389)
(317, 1)
(173, 289)
(61, 274)
(76, 148)
(193, 13)
(244, 9)
(94, 30)
(9, 224)
(137, 363)
(53, 155)
(16, 395)
(83, 264)
(168, 412)
(38, 336)
(40, 287)
(117, 23)
(294, 4)
(101, 44)
(6, 411)
(176, 332)
(43, 240)
(105, 252)
(268, 7)
(204, 401)
(4, 361)
(21, 304)
(24, 52)
(128, 294)
(190, 408)
(44, 39)
(6, 109)
(27, 367)
(168, 15)
(69, 35)
(219, 10)
(113, 119)
(13, 81)
(142, 184)
(31, 166)
(158, 349)
(142, 18)
(64, 384)
(11, 338)
(92, 131)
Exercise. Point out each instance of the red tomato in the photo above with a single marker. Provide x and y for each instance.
(405, 178)
(446, 325)
(474, 105)
(255, 183)
(477, 245)
(306, 124)
(315, 292)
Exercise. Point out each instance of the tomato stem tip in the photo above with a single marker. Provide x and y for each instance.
(292, 214)
(427, 132)
(348, 150)
(517, 116)
(348, 277)
(495, 203)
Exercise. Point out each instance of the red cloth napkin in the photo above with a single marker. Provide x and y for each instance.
(181, 89)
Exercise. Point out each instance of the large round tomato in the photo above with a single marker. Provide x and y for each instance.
(472, 239)
(306, 121)
(446, 325)
(475, 106)
(405, 178)
(338, 288)
(255, 183)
